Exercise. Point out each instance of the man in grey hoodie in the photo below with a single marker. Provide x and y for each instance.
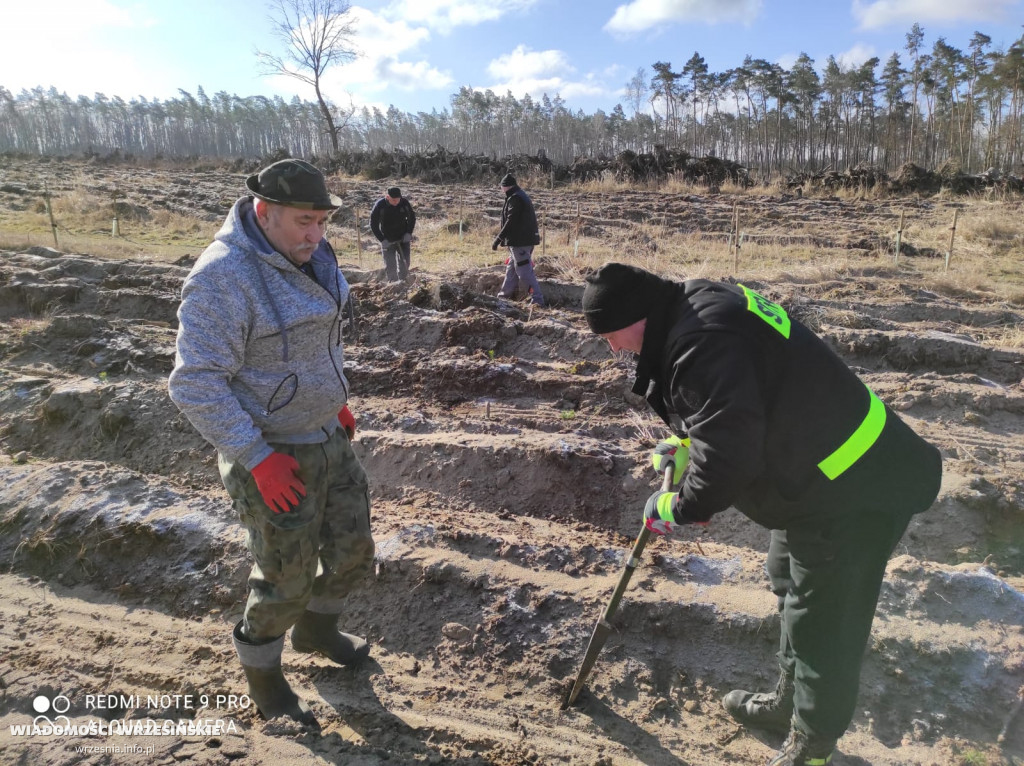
(259, 373)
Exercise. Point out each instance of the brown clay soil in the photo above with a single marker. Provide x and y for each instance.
(508, 467)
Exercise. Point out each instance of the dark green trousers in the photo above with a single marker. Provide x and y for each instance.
(315, 554)
(827, 580)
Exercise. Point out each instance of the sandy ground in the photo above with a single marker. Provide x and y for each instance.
(508, 469)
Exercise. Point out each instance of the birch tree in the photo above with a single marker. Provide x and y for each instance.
(317, 34)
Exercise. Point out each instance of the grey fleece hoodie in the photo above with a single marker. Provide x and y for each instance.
(260, 358)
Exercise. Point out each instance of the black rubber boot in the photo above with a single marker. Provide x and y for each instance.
(317, 632)
(771, 711)
(268, 688)
(802, 749)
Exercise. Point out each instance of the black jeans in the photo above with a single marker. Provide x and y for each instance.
(827, 580)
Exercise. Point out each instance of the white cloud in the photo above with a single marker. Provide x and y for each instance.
(413, 75)
(66, 19)
(375, 35)
(540, 72)
(445, 15)
(387, 60)
(855, 56)
(883, 13)
(37, 49)
(787, 60)
(641, 15)
(529, 64)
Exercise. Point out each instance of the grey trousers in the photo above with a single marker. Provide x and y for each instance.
(519, 271)
(397, 256)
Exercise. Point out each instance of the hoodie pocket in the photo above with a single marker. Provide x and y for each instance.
(282, 395)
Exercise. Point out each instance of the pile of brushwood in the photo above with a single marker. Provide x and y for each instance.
(441, 166)
(909, 179)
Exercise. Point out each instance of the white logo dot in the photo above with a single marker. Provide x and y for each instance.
(41, 704)
(61, 704)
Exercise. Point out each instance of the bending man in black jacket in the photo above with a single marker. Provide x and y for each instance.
(519, 233)
(779, 427)
(392, 221)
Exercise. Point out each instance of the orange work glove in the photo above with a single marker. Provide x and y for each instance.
(278, 483)
(348, 422)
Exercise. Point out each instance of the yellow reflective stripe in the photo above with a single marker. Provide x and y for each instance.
(665, 507)
(860, 441)
(772, 313)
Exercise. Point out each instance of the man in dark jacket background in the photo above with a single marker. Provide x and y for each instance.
(392, 221)
(779, 427)
(519, 233)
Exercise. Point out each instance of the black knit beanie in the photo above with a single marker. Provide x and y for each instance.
(507, 180)
(617, 296)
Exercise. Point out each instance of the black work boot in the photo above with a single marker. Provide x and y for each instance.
(267, 685)
(317, 632)
(802, 749)
(763, 710)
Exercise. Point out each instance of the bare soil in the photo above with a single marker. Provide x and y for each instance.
(508, 467)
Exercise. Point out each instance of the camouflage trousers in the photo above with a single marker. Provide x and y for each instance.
(314, 555)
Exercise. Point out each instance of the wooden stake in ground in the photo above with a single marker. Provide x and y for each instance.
(736, 237)
(899, 240)
(460, 214)
(579, 222)
(952, 234)
(359, 244)
(543, 234)
(49, 212)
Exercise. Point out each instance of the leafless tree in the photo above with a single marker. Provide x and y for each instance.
(317, 34)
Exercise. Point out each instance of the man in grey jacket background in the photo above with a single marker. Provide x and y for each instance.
(259, 373)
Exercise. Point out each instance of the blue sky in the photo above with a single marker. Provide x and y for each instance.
(416, 53)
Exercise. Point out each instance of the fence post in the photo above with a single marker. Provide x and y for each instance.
(899, 240)
(460, 214)
(952, 234)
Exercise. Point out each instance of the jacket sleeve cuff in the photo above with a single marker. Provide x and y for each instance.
(684, 516)
(255, 455)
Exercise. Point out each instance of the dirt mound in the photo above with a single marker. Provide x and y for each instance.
(508, 464)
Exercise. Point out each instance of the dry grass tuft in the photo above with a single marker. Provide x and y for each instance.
(780, 243)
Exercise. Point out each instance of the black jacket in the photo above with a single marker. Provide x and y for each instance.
(518, 220)
(392, 222)
(762, 410)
